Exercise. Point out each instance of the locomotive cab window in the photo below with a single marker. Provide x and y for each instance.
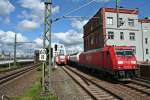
(61, 52)
(119, 52)
(124, 52)
(129, 53)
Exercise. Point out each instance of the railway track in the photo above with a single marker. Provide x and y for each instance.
(5, 70)
(94, 91)
(11, 76)
(134, 90)
(139, 86)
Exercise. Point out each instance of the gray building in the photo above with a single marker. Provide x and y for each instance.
(145, 31)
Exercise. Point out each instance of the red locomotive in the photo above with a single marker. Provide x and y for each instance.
(61, 60)
(117, 61)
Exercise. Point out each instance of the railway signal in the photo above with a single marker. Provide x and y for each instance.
(55, 47)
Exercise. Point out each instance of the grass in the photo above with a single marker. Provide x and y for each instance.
(34, 92)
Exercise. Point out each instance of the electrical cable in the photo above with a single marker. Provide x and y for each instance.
(79, 8)
(73, 11)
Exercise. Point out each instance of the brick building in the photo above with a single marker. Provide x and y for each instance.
(103, 29)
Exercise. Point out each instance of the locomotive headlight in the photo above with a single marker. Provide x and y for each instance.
(120, 62)
(133, 62)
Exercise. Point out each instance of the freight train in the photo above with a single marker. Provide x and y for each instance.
(117, 61)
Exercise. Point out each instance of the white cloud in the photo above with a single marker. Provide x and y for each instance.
(34, 12)
(68, 38)
(28, 25)
(74, 48)
(78, 23)
(71, 39)
(8, 37)
(7, 43)
(6, 7)
(32, 4)
(55, 9)
(38, 41)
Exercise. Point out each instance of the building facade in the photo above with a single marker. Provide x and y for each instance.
(145, 31)
(116, 27)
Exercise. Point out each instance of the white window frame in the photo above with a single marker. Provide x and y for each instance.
(146, 40)
(132, 36)
(121, 35)
(110, 35)
(147, 51)
(120, 21)
(131, 22)
(109, 21)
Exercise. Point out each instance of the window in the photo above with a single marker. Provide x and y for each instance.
(145, 29)
(131, 22)
(146, 51)
(121, 22)
(146, 40)
(91, 27)
(109, 21)
(132, 36)
(110, 35)
(121, 36)
(91, 40)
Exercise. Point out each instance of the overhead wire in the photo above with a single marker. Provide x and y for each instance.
(64, 16)
(79, 7)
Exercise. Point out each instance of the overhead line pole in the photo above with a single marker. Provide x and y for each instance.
(50, 59)
(15, 46)
(117, 8)
(15, 42)
(47, 36)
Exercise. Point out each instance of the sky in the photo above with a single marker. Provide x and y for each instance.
(25, 18)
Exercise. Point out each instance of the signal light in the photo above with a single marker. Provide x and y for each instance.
(55, 47)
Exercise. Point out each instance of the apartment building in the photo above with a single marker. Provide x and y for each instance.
(117, 27)
(145, 31)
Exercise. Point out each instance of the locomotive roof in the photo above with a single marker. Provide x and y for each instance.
(107, 47)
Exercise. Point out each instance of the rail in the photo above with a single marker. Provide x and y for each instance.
(122, 91)
(4, 97)
(8, 77)
(90, 90)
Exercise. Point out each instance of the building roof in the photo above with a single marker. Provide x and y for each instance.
(112, 10)
(144, 20)
(122, 10)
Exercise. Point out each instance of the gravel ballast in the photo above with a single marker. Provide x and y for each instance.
(21, 84)
(64, 87)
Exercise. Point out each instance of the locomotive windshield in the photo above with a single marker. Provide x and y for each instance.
(61, 52)
(124, 52)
